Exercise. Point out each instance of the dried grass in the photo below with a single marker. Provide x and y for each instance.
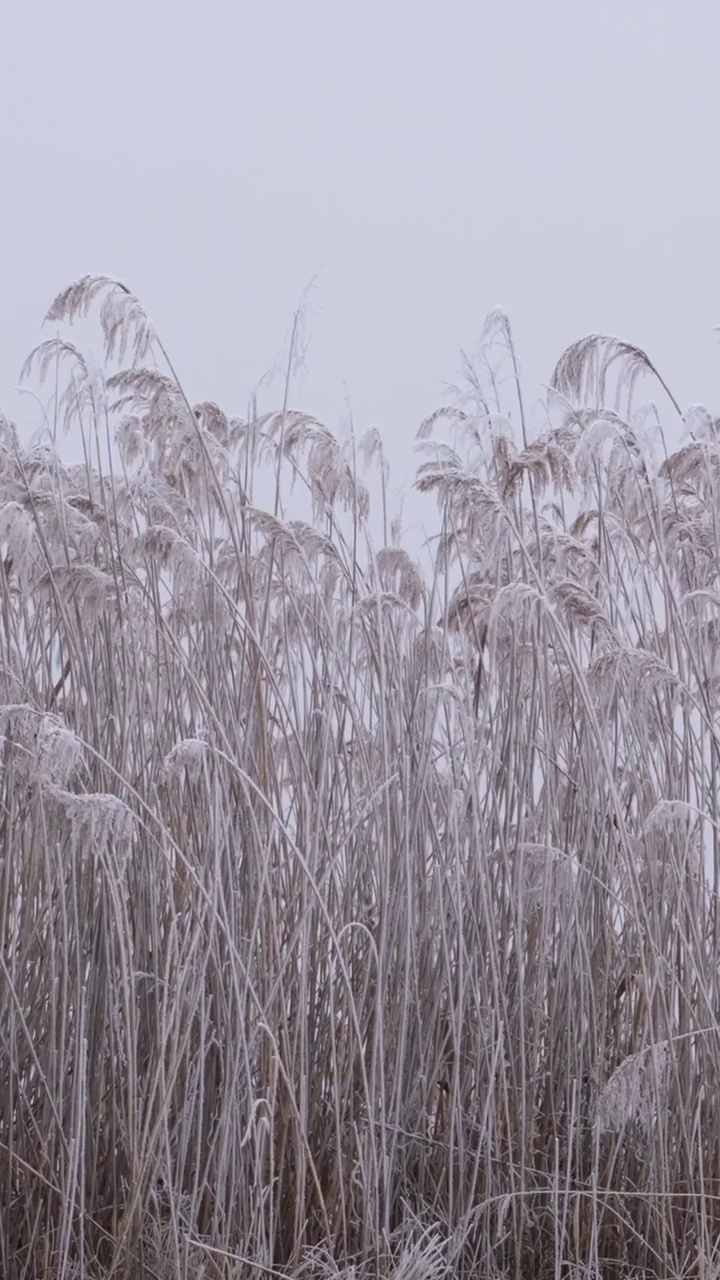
(355, 920)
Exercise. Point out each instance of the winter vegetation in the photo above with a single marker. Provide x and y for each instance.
(356, 917)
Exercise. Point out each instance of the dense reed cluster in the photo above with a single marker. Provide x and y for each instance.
(358, 918)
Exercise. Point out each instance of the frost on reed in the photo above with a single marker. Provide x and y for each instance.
(356, 918)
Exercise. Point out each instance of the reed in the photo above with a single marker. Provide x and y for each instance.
(356, 917)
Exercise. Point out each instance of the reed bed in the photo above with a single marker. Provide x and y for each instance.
(358, 918)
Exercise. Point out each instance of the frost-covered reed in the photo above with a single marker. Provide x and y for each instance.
(356, 917)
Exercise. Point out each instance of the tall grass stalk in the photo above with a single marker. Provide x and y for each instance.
(355, 919)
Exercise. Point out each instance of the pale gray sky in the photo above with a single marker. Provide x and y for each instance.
(431, 160)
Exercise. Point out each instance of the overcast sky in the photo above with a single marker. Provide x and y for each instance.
(430, 161)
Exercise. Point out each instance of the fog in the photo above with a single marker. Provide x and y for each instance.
(420, 165)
